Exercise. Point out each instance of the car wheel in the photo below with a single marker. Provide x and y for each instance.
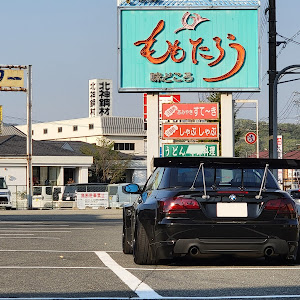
(142, 252)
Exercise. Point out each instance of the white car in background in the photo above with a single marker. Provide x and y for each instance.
(117, 197)
(5, 200)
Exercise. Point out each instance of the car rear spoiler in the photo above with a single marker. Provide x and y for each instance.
(227, 162)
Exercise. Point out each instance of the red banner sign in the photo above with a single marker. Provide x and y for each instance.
(188, 131)
(193, 111)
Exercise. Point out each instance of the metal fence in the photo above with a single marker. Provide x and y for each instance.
(51, 197)
(44, 197)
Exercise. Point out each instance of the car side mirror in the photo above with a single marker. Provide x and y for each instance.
(131, 188)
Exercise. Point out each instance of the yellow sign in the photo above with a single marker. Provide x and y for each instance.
(11, 78)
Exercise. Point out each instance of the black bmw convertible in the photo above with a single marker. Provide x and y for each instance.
(202, 207)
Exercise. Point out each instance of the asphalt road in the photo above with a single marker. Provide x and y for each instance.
(77, 254)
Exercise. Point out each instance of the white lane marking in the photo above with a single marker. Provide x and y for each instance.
(47, 267)
(136, 285)
(6, 234)
(52, 228)
(28, 237)
(40, 231)
(37, 225)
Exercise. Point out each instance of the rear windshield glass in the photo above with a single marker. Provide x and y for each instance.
(3, 184)
(216, 177)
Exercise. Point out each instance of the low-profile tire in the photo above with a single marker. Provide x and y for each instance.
(142, 252)
(127, 248)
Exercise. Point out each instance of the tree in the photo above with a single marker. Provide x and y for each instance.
(109, 165)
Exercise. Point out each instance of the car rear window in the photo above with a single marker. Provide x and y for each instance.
(218, 177)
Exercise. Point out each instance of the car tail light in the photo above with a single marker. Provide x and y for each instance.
(282, 206)
(178, 205)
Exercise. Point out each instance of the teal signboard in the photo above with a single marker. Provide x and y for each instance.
(188, 49)
(180, 150)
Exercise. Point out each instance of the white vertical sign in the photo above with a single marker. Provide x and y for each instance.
(100, 97)
(280, 156)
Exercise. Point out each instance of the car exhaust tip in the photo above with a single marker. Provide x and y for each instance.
(269, 251)
(194, 251)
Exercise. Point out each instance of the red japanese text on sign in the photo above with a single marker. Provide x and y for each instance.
(178, 54)
(204, 131)
(199, 111)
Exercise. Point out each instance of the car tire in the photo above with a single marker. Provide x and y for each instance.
(142, 252)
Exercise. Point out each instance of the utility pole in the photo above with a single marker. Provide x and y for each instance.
(272, 76)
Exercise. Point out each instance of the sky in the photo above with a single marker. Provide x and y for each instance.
(69, 42)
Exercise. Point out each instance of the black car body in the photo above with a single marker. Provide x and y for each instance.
(211, 206)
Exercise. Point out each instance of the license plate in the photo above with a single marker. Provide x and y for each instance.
(234, 210)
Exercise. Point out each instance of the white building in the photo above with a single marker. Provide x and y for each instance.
(127, 134)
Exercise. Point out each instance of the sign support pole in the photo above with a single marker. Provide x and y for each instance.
(227, 125)
(152, 129)
(29, 137)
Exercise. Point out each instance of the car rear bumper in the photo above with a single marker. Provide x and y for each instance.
(241, 240)
(238, 247)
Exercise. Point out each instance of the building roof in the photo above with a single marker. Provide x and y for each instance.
(289, 155)
(15, 145)
(8, 129)
(122, 126)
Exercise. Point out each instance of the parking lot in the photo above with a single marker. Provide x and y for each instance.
(77, 254)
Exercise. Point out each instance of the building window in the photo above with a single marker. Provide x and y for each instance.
(124, 146)
(45, 131)
(75, 128)
(91, 126)
(59, 129)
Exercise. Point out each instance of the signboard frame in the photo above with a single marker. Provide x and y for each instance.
(123, 88)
